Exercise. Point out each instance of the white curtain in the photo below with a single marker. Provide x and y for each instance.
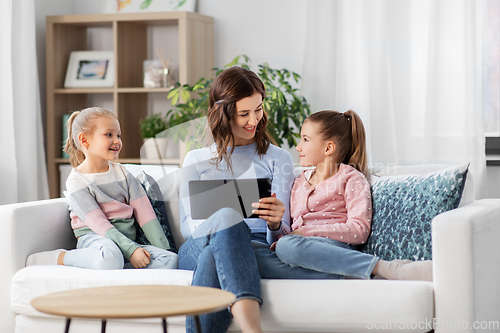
(410, 68)
(23, 175)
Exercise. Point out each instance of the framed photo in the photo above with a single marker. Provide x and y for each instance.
(137, 6)
(90, 69)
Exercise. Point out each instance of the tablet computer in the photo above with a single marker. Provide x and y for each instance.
(208, 196)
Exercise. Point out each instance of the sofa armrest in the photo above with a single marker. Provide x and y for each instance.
(27, 228)
(466, 267)
(37, 226)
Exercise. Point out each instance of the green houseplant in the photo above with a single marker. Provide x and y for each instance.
(152, 130)
(285, 107)
(152, 125)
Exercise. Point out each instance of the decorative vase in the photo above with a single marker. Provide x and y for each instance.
(154, 148)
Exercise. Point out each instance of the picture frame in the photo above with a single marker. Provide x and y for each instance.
(142, 6)
(90, 69)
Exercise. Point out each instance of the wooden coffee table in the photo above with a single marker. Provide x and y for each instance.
(135, 301)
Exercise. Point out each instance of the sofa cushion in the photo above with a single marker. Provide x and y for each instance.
(346, 305)
(156, 199)
(167, 178)
(377, 171)
(33, 281)
(403, 209)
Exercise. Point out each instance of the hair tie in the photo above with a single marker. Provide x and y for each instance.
(348, 117)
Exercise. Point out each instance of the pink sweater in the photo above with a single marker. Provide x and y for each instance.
(339, 208)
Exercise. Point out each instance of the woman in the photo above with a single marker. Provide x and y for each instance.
(219, 250)
(226, 251)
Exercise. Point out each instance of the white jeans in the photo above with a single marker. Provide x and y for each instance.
(98, 252)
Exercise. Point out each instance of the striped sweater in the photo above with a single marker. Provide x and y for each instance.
(108, 203)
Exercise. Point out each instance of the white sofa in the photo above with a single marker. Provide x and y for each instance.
(465, 291)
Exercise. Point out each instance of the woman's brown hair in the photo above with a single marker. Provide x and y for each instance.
(230, 86)
(82, 122)
(347, 131)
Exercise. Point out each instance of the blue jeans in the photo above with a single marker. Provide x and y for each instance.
(97, 252)
(271, 267)
(220, 253)
(325, 256)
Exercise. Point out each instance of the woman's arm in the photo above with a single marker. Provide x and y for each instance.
(276, 210)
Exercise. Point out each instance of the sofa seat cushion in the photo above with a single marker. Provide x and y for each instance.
(33, 281)
(289, 305)
(347, 306)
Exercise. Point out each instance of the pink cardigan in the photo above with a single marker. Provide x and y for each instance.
(339, 208)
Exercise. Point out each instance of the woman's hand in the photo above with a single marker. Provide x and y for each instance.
(140, 258)
(270, 209)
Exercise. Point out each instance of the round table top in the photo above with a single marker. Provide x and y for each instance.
(134, 301)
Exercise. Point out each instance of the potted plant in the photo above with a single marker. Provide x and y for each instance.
(285, 107)
(153, 129)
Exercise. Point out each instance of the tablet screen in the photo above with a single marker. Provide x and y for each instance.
(208, 196)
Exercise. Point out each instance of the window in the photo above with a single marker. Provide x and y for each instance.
(491, 91)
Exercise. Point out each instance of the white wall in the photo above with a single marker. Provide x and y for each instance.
(45, 8)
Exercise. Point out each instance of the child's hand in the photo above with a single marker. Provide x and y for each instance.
(298, 231)
(140, 258)
(270, 209)
(273, 245)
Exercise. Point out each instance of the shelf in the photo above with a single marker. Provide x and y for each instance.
(111, 90)
(84, 91)
(187, 38)
(145, 90)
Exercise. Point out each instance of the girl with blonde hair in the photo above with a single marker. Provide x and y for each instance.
(105, 202)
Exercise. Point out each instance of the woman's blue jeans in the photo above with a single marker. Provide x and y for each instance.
(325, 255)
(221, 255)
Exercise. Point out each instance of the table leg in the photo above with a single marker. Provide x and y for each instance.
(68, 322)
(164, 324)
(197, 323)
(103, 326)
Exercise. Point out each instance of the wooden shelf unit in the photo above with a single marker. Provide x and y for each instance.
(189, 40)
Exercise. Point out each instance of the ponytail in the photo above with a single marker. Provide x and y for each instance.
(357, 157)
(82, 122)
(72, 146)
(347, 131)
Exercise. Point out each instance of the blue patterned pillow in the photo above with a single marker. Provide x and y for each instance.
(403, 209)
(155, 198)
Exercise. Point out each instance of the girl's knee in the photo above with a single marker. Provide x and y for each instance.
(288, 245)
(173, 262)
(168, 260)
(110, 258)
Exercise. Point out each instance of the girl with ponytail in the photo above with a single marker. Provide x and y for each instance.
(332, 203)
(105, 203)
